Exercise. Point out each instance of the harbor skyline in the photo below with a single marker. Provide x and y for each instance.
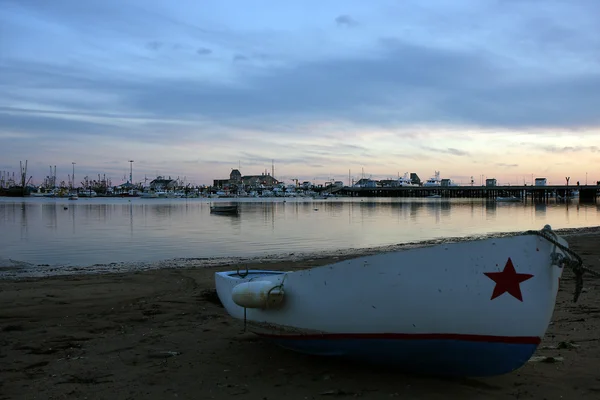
(490, 89)
(64, 177)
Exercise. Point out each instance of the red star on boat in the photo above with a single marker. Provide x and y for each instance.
(508, 281)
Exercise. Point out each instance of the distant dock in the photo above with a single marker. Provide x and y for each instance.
(587, 193)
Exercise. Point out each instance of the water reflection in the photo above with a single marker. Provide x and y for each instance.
(49, 215)
(540, 208)
(131, 219)
(112, 230)
(72, 214)
(22, 209)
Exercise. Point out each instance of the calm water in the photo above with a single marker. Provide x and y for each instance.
(105, 230)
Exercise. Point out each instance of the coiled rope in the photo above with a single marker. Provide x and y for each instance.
(568, 258)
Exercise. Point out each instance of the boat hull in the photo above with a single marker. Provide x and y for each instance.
(15, 191)
(473, 308)
(479, 356)
(224, 209)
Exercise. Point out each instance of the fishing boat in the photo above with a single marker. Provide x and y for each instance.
(468, 308)
(89, 192)
(224, 209)
(434, 180)
(405, 181)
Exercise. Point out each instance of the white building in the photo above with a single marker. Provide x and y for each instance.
(540, 182)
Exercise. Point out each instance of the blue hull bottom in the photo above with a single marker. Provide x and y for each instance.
(441, 357)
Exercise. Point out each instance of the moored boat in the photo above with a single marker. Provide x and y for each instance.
(405, 181)
(224, 209)
(15, 191)
(149, 194)
(89, 192)
(434, 180)
(471, 308)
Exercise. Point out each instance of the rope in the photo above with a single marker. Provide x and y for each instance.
(572, 259)
(280, 287)
(242, 275)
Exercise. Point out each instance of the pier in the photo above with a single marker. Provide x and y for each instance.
(587, 193)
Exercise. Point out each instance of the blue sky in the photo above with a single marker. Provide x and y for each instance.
(500, 88)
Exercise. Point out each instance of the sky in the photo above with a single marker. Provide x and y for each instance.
(324, 90)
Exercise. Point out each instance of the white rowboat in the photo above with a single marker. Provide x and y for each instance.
(472, 308)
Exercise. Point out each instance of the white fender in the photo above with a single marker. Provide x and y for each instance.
(258, 294)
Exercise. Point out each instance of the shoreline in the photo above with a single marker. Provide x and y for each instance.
(14, 269)
(161, 333)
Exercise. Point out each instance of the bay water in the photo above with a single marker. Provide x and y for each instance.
(88, 231)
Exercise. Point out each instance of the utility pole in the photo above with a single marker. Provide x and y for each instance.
(73, 177)
(273, 168)
(131, 172)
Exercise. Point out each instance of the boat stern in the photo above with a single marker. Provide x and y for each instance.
(248, 288)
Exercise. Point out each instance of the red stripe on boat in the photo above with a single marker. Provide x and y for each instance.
(410, 336)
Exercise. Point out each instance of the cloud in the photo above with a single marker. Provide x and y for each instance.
(449, 150)
(394, 88)
(507, 165)
(456, 152)
(154, 45)
(345, 20)
(203, 51)
(397, 82)
(569, 149)
(49, 125)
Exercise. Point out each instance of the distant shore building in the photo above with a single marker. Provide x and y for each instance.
(541, 182)
(236, 179)
(491, 182)
(162, 183)
(235, 176)
(414, 178)
(259, 180)
(389, 183)
(366, 183)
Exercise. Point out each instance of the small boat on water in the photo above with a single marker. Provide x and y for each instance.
(149, 194)
(224, 209)
(470, 308)
(508, 199)
(89, 192)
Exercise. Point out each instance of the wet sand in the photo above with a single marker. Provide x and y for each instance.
(159, 334)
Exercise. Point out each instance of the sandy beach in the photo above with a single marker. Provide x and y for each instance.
(161, 334)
